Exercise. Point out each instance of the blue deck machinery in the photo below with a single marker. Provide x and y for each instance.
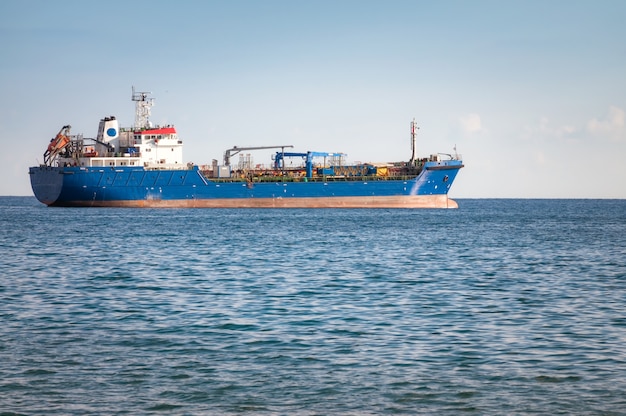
(279, 159)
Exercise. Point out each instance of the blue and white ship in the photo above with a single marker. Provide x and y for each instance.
(142, 166)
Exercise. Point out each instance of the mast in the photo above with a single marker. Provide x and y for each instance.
(143, 104)
(414, 129)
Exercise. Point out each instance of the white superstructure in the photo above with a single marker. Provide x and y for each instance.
(143, 145)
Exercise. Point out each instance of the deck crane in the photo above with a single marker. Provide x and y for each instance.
(231, 152)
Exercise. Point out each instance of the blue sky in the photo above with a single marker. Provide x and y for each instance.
(531, 93)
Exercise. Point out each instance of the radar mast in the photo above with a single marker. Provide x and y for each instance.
(143, 104)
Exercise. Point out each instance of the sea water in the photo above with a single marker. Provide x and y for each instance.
(499, 307)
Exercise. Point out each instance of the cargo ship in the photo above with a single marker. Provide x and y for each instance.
(142, 166)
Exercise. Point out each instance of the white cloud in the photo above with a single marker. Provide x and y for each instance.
(543, 130)
(540, 157)
(560, 131)
(612, 126)
(471, 123)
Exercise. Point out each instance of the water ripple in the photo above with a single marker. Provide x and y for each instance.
(502, 306)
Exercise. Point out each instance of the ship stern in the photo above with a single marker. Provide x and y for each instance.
(47, 183)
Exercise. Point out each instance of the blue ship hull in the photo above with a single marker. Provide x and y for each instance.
(142, 166)
(125, 186)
